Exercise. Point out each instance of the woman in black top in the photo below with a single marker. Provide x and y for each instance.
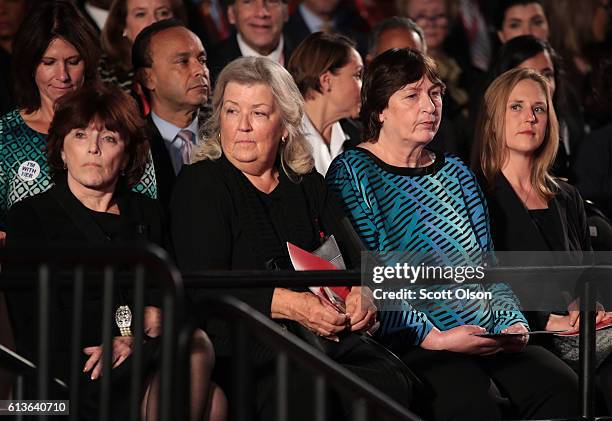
(529, 209)
(96, 152)
(253, 190)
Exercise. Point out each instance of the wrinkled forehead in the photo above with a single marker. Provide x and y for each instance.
(248, 93)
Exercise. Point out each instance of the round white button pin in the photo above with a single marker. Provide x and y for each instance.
(28, 171)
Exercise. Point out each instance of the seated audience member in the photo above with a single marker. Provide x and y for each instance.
(578, 34)
(125, 21)
(170, 64)
(56, 45)
(327, 70)
(12, 13)
(521, 17)
(529, 52)
(258, 32)
(593, 167)
(472, 21)
(395, 32)
(252, 191)
(97, 151)
(55, 53)
(339, 16)
(436, 18)
(402, 197)
(398, 32)
(529, 209)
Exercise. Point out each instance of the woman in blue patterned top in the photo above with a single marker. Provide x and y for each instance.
(400, 196)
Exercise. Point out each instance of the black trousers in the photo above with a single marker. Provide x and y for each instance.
(535, 384)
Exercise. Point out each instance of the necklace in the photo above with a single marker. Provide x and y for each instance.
(526, 199)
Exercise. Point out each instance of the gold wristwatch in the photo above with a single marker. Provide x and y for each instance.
(123, 318)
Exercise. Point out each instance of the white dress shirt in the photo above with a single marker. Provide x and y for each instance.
(169, 133)
(323, 153)
(276, 55)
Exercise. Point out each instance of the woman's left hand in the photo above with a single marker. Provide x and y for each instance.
(152, 321)
(361, 309)
(515, 343)
(122, 348)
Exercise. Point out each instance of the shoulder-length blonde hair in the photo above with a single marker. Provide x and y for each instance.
(490, 152)
(294, 153)
(114, 44)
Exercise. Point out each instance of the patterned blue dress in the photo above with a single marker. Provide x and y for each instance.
(435, 210)
(24, 171)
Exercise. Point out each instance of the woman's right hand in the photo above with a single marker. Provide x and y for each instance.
(309, 311)
(461, 339)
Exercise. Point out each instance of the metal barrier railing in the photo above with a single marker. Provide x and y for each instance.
(289, 279)
(153, 263)
(366, 400)
(78, 270)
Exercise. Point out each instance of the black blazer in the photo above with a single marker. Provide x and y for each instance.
(347, 22)
(354, 130)
(513, 230)
(225, 51)
(56, 217)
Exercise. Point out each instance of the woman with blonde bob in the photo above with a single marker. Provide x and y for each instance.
(517, 139)
(252, 190)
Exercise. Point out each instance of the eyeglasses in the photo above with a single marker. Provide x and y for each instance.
(433, 19)
(256, 3)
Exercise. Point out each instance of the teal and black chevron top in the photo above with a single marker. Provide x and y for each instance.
(24, 171)
(436, 210)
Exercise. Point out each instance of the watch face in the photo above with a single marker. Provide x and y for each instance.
(123, 316)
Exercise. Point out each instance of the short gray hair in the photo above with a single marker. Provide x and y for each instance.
(295, 155)
(394, 22)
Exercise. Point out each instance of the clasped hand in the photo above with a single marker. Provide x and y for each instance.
(325, 320)
(571, 322)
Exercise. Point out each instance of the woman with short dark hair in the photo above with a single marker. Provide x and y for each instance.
(96, 152)
(56, 52)
(402, 197)
(327, 69)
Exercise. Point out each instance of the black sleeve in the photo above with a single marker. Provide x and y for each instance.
(201, 224)
(334, 220)
(24, 228)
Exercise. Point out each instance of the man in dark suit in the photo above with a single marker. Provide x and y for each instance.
(258, 31)
(327, 16)
(170, 63)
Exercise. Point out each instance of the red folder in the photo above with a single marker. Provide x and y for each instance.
(304, 260)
